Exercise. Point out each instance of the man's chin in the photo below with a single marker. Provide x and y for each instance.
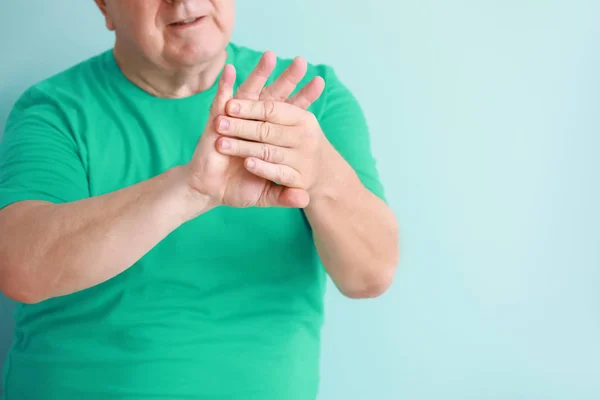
(194, 56)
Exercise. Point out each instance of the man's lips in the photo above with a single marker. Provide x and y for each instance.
(186, 21)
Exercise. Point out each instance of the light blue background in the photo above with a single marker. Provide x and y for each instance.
(486, 122)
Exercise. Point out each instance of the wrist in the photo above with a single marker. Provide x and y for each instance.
(334, 178)
(188, 201)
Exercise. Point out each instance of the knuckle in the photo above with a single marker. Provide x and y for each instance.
(272, 154)
(277, 155)
(256, 108)
(264, 131)
(269, 108)
(246, 95)
(241, 94)
(267, 153)
(265, 93)
(236, 127)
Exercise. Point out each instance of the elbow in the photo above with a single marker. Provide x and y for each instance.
(365, 291)
(19, 258)
(16, 288)
(371, 285)
(372, 282)
(20, 294)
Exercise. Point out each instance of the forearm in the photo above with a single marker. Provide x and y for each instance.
(356, 235)
(49, 250)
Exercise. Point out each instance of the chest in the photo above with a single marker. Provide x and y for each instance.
(128, 145)
(135, 143)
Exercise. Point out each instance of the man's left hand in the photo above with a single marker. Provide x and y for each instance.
(280, 142)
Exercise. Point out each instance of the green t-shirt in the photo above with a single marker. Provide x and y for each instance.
(228, 306)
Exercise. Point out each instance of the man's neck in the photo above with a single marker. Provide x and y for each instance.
(169, 83)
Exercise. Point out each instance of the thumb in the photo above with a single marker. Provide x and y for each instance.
(224, 90)
(282, 196)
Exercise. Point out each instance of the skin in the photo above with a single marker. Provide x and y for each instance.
(269, 137)
(161, 59)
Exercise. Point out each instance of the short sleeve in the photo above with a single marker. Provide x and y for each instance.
(39, 158)
(343, 122)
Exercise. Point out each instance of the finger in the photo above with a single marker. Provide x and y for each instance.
(257, 131)
(276, 112)
(242, 148)
(286, 83)
(224, 90)
(308, 94)
(254, 84)
(281, 196)
(282, 174)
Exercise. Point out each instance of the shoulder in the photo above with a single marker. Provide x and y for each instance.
(58, 98)
(74, 79)
(336, 93)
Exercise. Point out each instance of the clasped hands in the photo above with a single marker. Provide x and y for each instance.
(262, 147)
(279, 141)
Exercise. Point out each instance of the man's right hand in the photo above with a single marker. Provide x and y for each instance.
(218, 179)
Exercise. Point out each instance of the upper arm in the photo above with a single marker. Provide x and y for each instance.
(39, 157)
(344, 124)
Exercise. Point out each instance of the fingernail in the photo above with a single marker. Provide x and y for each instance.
(225, 144)
(224, 125)
(235, 108)
(250, 163)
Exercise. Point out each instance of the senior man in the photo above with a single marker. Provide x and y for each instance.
(170, 210)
